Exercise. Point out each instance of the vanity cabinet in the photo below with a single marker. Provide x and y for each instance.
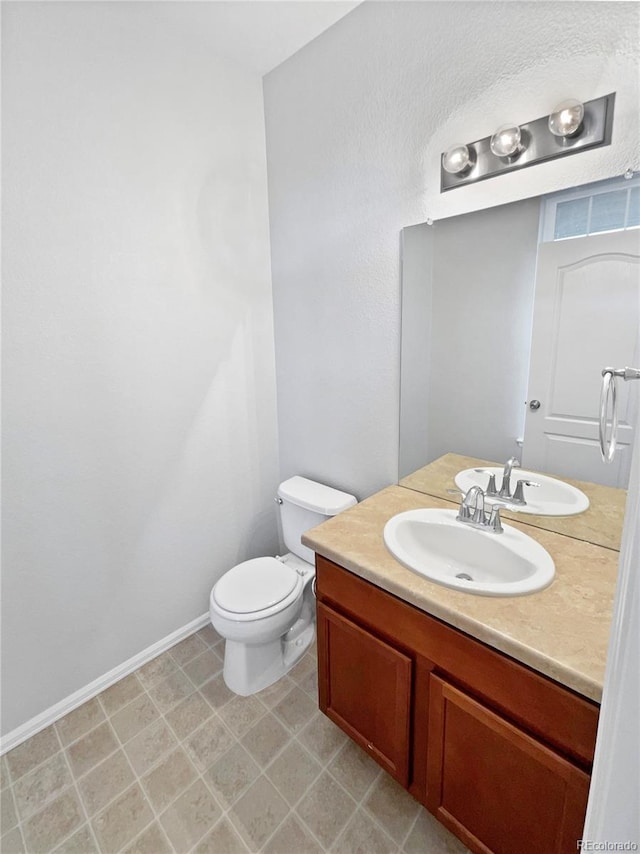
(500, 754)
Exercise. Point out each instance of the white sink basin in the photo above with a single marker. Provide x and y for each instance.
(435, 545)
(552, 498)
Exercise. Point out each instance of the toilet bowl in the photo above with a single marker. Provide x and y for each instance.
(265, 607)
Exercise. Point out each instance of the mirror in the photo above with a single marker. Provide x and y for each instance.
(498, 308)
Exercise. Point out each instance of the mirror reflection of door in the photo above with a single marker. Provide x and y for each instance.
(586, 316)
(469, 292)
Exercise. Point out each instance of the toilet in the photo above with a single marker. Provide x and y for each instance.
(265, 607)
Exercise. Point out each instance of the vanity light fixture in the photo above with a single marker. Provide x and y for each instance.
(571, 127)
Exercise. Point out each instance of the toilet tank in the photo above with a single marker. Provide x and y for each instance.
(305, 504)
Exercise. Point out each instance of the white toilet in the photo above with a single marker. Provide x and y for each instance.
(265, 607)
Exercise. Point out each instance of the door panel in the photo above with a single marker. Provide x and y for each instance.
(586, 317)
(364, 686)
(496, 787)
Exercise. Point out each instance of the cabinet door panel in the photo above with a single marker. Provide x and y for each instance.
(497, 788)
(364, 686)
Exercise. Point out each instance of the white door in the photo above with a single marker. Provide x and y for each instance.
(586, 317)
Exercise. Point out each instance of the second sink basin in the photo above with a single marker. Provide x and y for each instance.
(552, 497)
(432, 543)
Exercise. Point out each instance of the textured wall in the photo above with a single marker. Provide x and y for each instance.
(356, 122)
(139, 401)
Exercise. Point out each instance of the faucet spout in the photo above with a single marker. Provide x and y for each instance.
(474, 499)
(505, 489)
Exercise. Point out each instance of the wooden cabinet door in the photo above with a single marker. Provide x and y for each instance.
(364, 686)
(496, 787)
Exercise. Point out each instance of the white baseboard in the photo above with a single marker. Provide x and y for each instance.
(59, 710)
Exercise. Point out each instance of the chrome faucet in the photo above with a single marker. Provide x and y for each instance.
(505, 489)
(472, 512)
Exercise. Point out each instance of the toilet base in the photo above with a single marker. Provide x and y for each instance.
(249, 669)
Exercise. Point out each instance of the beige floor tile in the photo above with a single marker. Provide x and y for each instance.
(168, 779)
(216, 692)
(322, 737)
(81, 842)
(272, 695)
(258, 813)
(295, 710)
(222, 840)
(5, 779)
(48, 828)
(292, 772)
(32, 791)
(354, 769)
(170, 691)
(183, 652)
(325, 809)
(149, 746)
(292, 838)
(134, 717)
(12, 842)
(302, 669)
(32, 752)
(120, 694)
(265, 739)
(310, 685)
(105, 782)
(189, 715)
(241, 713)
(151, 841)
(231, 775)
(91, 749)
(363, 836)
(208, 743)
(202, 668)
(210, 636)
(79, 722)
(392, 807)
(429, 835)
(8, 813)
(122, 820)
(189, 818)
(156, 670)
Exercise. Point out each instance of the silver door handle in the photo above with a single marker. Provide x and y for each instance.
(608, 393)
(534, 405)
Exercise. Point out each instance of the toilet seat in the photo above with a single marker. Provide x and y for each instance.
(256, 588)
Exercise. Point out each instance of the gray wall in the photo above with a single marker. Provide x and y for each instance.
(482, 307)
(139, 429)
(355, 123)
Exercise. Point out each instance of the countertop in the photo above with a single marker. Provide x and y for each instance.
(601, 523)
(562, 631)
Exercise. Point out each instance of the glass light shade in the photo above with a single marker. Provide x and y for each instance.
(506, 141)
(566, 118)
(457, 159)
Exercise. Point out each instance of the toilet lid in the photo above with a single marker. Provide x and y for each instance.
(254, 585)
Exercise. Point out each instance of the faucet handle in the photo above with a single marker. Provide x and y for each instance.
(518, 495)
(494, 524)
(492, 489)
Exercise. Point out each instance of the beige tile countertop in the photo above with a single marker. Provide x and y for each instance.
(600, 524)
(562, 631)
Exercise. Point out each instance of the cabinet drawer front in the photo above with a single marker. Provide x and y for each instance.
(493, 785)
(364, 686)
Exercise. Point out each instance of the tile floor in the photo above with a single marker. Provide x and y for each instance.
(169, 760)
